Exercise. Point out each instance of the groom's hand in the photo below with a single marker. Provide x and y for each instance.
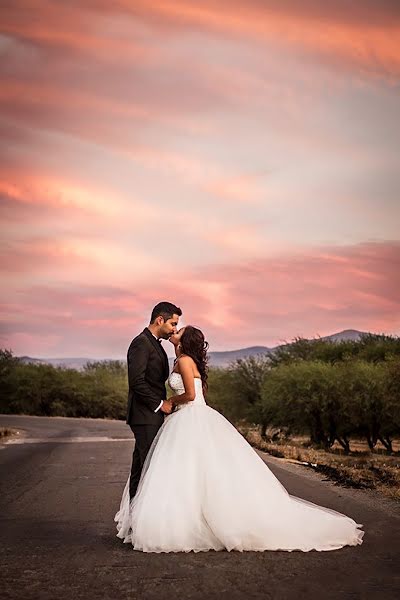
(166, 407)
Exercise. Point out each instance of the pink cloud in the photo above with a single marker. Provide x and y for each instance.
(265, 301)
(309, 294)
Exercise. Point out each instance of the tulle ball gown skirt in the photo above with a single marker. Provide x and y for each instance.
(203, 487)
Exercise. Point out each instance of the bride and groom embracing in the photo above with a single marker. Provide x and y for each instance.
(195, 483)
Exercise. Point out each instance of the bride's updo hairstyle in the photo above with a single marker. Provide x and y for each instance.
(194, 345)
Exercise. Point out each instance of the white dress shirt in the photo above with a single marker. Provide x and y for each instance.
(161, 403)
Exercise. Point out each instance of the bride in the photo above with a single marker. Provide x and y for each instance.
(203, 487)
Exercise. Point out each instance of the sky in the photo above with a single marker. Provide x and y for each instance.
(240, 159)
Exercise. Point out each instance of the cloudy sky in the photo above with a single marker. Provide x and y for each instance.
(240, 159)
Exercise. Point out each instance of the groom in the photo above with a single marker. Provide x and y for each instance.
(148, 370)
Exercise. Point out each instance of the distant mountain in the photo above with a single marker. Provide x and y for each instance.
(68, 363)
(345, 335)
(223, 359)
(28, 359)
(216, 359)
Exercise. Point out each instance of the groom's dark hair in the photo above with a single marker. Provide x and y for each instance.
(165, 310)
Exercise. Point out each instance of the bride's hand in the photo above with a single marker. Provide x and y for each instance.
(167, 407)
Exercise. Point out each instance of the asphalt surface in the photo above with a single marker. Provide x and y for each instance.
(61, 488)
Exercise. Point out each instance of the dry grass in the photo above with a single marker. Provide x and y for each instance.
(360, 469)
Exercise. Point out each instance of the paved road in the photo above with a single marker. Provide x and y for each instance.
(59, 493)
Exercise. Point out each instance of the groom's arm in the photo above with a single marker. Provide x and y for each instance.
(138, 357)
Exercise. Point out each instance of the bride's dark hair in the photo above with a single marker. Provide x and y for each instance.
(194, 345)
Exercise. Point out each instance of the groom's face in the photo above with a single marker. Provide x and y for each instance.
(169, 327)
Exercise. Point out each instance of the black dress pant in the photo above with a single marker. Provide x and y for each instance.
(144, 436)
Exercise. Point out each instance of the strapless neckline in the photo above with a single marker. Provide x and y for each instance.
(176, 373)
(175, 381)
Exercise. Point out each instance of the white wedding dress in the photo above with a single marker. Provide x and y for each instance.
(203, 487)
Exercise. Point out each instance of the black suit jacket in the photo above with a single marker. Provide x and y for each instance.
(148, 370)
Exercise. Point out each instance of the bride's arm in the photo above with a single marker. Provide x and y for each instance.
(186, 371)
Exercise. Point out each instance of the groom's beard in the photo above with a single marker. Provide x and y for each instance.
(166, 336)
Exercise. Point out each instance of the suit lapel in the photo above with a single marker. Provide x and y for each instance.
(159, 348)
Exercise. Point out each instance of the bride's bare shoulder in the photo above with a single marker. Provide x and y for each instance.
(184, 362)
(187, 366)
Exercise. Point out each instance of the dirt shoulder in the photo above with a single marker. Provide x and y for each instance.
(361, 470)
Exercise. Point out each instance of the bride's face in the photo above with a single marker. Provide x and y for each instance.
(175, 337)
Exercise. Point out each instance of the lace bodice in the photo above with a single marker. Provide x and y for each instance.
(176, 383)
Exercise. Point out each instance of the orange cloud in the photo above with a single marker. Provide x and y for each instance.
(52, 191)
(48, 96)
(364, 36)
(372, 46)
(46, 257)
(70, 29)
(78, 259)
(71, 196)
